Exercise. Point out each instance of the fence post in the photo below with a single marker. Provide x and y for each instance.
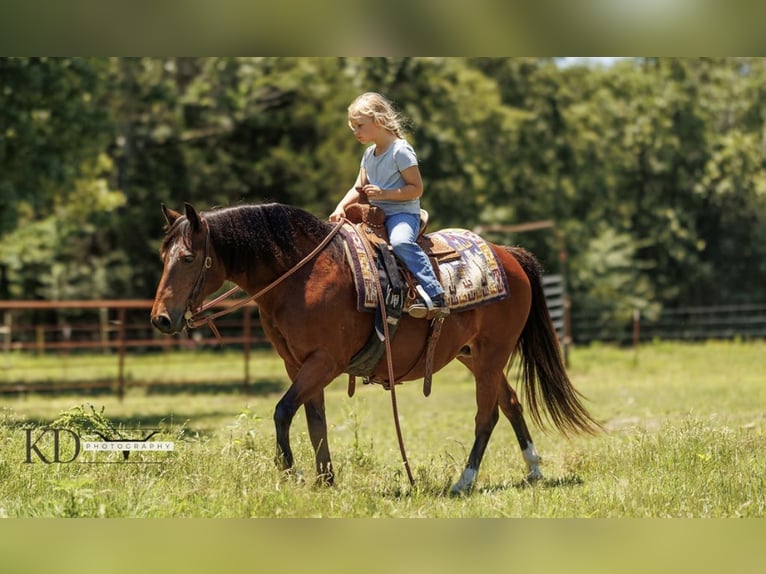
(121, 361)
(7, 330)
(8, 336)
(103, 320)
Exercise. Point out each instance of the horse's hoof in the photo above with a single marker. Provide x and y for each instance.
(294, 474)
(534, 475)
(465, 484)
(325, 480)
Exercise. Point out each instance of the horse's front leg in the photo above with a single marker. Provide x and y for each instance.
(307, 389)
(317, 423)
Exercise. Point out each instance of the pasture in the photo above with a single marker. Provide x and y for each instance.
(685, 438)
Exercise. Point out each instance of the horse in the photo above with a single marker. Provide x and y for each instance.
(310, 316)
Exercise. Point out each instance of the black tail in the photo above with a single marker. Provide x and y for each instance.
(542, 370)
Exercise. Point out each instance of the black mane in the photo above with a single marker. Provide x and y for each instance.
(266, 234)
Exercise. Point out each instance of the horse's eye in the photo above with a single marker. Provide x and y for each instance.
(187, 258)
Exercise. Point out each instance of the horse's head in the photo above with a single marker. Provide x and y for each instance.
(189, 274)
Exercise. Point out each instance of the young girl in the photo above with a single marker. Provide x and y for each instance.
(390, 178)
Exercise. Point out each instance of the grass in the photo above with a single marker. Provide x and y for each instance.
(685, 438)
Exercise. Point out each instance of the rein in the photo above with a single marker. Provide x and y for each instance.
(193, 318)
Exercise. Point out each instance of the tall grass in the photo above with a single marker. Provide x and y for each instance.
(685, 438)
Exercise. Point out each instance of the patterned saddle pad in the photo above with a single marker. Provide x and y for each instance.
(468, 269)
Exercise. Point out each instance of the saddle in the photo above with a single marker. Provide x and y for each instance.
(465, 264)
(371, 222)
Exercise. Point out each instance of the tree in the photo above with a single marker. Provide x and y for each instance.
(54, 126)
(651, 168)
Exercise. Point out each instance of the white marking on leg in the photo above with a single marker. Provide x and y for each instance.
(466, 482)
(533, 462)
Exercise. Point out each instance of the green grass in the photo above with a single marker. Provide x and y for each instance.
(685, 438)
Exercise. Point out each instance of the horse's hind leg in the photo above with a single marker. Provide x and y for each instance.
(509, 404)
(488, 397)
(487, 415)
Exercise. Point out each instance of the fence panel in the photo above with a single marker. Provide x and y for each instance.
(120, 332)
(553, 285)
(116, 328)
(681, 324)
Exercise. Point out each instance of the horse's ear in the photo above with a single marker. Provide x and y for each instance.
(170, 215)
(192, 216)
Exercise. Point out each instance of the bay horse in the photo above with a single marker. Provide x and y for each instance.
(313, 323)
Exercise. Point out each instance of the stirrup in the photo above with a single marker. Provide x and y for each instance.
(421, 311)
(426, 308)
(418, 310)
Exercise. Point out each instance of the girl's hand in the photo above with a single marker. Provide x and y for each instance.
(372, 190)
(338, 214)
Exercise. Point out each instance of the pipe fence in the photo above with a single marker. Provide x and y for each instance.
(109, 345)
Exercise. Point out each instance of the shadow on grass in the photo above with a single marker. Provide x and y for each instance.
(262, 387)
(441, 490)
(567, 481)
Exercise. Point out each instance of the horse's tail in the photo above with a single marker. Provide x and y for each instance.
(542, 369)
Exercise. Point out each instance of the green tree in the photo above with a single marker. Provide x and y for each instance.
(54, 126)
(652, 169)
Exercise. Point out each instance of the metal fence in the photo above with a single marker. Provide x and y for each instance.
(679, 324)
(120, 330)
(557, 300)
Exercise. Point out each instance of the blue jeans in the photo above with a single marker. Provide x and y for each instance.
(402, 232)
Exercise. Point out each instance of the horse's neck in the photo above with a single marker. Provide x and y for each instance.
(266, 265)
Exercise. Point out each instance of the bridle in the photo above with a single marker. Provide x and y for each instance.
(207, 263)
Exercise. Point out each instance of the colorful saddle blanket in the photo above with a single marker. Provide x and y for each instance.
(468, 269)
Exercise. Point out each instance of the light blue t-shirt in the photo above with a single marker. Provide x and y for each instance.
(385, 171)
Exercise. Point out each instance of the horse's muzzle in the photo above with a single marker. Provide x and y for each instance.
(162, 322)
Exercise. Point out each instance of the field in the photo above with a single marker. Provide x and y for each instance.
(685, 438)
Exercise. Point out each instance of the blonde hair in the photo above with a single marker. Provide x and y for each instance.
(380, 109)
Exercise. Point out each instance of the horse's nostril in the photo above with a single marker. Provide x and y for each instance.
(162, 323)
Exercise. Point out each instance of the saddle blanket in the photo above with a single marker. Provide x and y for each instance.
(470, 278)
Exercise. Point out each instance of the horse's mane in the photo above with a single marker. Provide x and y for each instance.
(265, 233)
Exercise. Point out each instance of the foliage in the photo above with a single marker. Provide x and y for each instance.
(85, 419)
(660, 159)
(68, 254)
(614, 280)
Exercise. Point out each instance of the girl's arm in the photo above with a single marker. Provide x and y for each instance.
(412, 188)
(351, 197)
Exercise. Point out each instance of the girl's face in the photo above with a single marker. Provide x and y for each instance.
(364, 128)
